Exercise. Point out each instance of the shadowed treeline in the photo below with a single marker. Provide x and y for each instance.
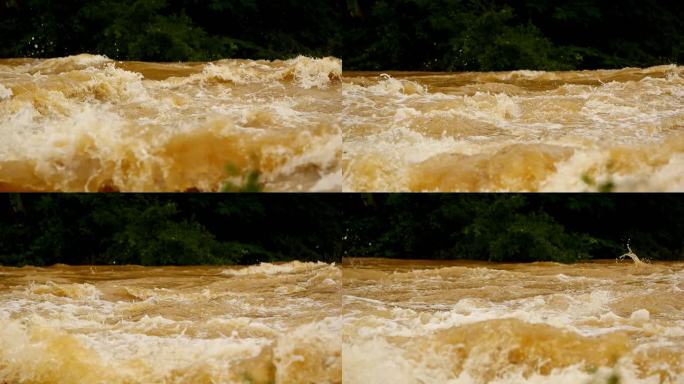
(519, 227)
(174, 229)
(225, 229)
(367, 34)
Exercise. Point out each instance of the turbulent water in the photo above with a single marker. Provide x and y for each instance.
(467, 322)
(515, 131)
(371, 321)
(259, 324)
(88, 123)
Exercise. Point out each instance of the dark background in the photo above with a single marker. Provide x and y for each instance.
(515, 227)
(435, 35)
(159, 229)
(167, 229)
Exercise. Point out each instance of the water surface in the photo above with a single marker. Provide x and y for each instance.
(514, 131)
(412, 321)
(259, 324)
(88, 123)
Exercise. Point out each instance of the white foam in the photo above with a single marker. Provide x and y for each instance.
(640, 315)
(275, 269)
(5, 93)
(306, 72)
(84, 124)
(591, 121)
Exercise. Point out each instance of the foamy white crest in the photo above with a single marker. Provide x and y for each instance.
(310, 72)
(64, 64)
(396, 87)
(329, 183)
(5, 93)
(75, 291)
(316, 346)
(305, 72)
(275, 269)
(377, 362)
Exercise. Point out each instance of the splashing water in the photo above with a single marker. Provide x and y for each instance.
(514, 131)
(371, 321)
(170, 325)
(631, 255)
(416, 321)
(87, 123)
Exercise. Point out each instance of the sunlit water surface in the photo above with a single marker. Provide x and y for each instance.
(409, 321)
(88, 123)
(259, 324)
(515, 131)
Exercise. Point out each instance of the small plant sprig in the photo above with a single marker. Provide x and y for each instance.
(248, 179)
(607, 186)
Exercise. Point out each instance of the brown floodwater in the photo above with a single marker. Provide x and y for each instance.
(367, 321)
(413, 321)
(124, 324)
(88, 123)
(514, 131)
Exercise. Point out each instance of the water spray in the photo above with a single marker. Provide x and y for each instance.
(630, 254)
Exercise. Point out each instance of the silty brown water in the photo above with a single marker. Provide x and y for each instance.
(412, 321)
(88, 123)
(259, 324)
(514, 131)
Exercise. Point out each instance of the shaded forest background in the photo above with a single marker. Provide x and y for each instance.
(515, 227)
(434, 35)
(149, 229)
(167, 229)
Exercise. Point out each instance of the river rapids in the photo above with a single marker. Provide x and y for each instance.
(88, 123)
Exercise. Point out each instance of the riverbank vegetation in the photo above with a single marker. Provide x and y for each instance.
(436, 35)
(515, 227)
(150, 229)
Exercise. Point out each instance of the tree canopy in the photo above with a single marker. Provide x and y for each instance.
(175, 229)
(515, 227)
(453, 35)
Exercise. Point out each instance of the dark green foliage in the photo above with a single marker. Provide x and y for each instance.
(448, 35)
(503, 230)
(367, 34)
(248, 228)
(607, 186)
(151, 30)
(248, 180)
(170, 30)
(504, 35)
(151, 236)
(167, 229)
(520, 227)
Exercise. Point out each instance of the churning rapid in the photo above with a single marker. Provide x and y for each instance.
(515, 131)
(470, 322)
(88, 123)
(259, 324)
